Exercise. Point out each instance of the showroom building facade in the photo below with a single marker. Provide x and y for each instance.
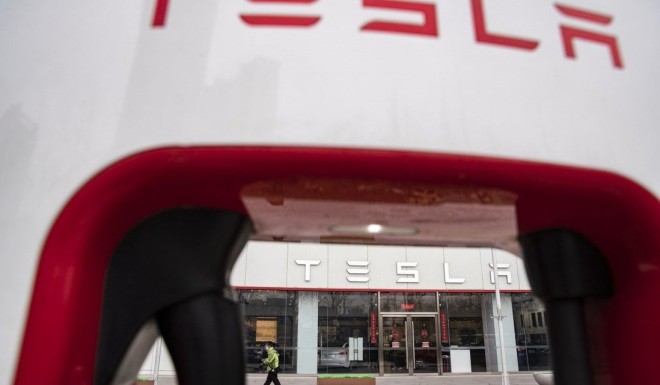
(386, 309)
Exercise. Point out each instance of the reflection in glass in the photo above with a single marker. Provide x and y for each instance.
(342, 315)
(461, 327)
(425, 344)
(394, 344)
(273, 316)
(465, 323)
(269, 316)
(531, 333)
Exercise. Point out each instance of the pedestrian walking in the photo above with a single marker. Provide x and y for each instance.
(272, 363)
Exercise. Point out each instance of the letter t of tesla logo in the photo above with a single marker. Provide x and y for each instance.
(308, 263)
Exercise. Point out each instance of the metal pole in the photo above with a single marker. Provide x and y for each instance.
(159, 345)
(499, 317)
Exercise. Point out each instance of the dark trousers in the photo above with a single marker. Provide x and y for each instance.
(272, 377)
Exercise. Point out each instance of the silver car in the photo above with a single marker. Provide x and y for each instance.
(334, 356)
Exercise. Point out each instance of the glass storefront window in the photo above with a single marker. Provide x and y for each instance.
(531, 333)
(465, 323)
(270, 316)
(345, 315)
(461, 328)
(455, 322)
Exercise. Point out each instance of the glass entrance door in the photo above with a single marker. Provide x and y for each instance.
(425, 344)
(394, 344)
(409, 344)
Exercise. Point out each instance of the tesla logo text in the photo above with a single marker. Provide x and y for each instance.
(357, 271)
(412, 275)
(448, 279)
(407, 272)
(308, 270)
(500, 273)
(295, 14)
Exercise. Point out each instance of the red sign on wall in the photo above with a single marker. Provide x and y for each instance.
(407, 306)
(374, 327)
(444, 337)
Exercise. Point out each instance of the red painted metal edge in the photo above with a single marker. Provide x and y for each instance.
(618, 216)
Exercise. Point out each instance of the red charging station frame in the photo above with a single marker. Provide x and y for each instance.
(619, 217)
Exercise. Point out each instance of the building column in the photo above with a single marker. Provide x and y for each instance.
(308, 326)
(492, 334)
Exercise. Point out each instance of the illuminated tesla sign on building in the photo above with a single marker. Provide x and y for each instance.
(323, 266)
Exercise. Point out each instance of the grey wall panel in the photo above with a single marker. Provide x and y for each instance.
(266, 264)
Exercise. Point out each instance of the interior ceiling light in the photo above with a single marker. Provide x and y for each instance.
(374, 228)
(340, 210)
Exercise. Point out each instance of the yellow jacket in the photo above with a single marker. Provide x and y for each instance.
(273, 360)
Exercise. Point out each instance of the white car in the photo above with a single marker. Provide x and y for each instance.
(334, 356)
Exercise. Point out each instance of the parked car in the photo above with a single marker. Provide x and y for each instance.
(334, 356)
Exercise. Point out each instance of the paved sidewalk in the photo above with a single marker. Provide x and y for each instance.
(446, 379)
